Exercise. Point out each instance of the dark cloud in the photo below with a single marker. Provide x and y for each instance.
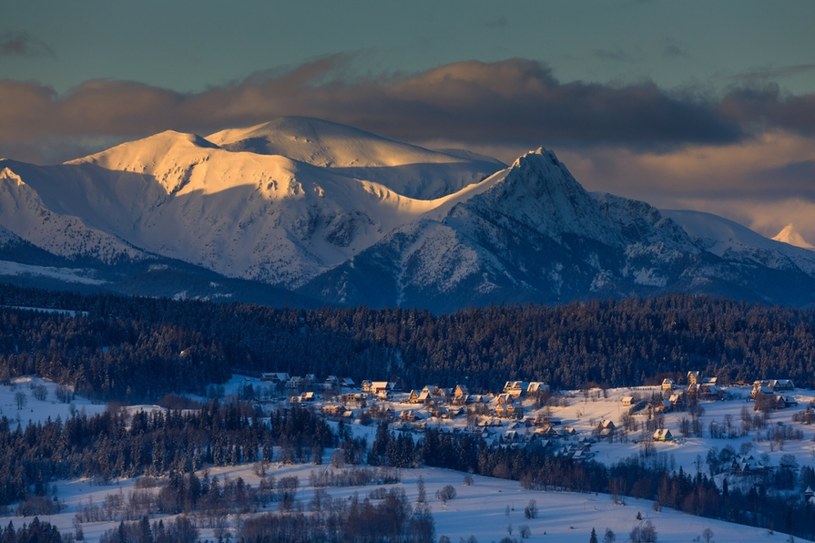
(796, 178)
(21, 44)
(762, 108)
(510, 102)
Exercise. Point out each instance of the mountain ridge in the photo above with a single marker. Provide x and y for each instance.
(405, 235)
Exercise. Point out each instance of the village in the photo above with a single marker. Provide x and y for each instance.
(588, 424)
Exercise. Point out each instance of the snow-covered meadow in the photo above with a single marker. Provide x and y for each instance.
(487, 508)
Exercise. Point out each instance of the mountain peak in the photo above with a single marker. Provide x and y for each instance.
(791, 236)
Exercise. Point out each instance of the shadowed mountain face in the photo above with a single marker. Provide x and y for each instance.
(341, 216)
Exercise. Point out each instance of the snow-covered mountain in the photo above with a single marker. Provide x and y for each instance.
(338, 215)
(790, 235)
(406, 169)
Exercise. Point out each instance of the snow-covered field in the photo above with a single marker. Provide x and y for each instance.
(489, 508)
(19, 402)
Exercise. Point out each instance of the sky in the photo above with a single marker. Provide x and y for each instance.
(706, 105)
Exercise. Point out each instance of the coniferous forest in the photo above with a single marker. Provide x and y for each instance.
(136, 349)
(131, 349)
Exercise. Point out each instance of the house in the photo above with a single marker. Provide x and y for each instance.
(347, 382)
(515, 388)
(710, 391)
(668, 385)
(694, 378)
(305, 397)
(677, 399)
(627, 401)
(761, 387)
(783, 384)
(663, 406)
(606, 429)
(663, 434)
(460, 394)
(355, 399)
(747, 466)
(333, 410)
(275, 377)
(536, 387)
(295, 382)
(508, 410)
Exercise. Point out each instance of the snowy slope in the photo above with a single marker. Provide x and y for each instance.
(24, 214)
(529, 233)
(348, 217)
(262, 217)
(407, 169)
(734, 242)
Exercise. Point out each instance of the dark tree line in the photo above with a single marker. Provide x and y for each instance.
(34, 532)
(141, 349)
(113, 444)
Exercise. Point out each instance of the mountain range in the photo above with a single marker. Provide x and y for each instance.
(301, 211)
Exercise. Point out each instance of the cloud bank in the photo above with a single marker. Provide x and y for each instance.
(510, 102)
(673, 148)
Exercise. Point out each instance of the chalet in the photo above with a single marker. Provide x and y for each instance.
(694, 378)
(628, 401)
(275, 377)
(295, 382)
(460, 394)
(762, 387)
(508, 410)
(306, 397)
(663, 406)
(503, 399)
(536, 387)
(440, 412)
(347, 382)
(668, 385)
(582, 453)
(710, 391)
(545, 431)
(515, 388)
(331, 382)
(677, 399)
(747, 466)
(606, 429)
(355, 399)
(663, 434)
(333, 410)
(783, 384)
(768, 386)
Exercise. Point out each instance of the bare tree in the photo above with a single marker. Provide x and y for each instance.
(21, 399)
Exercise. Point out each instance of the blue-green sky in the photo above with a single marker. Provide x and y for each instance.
(705, 104)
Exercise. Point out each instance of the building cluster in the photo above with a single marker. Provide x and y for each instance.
(500, 414)
(770, 393)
